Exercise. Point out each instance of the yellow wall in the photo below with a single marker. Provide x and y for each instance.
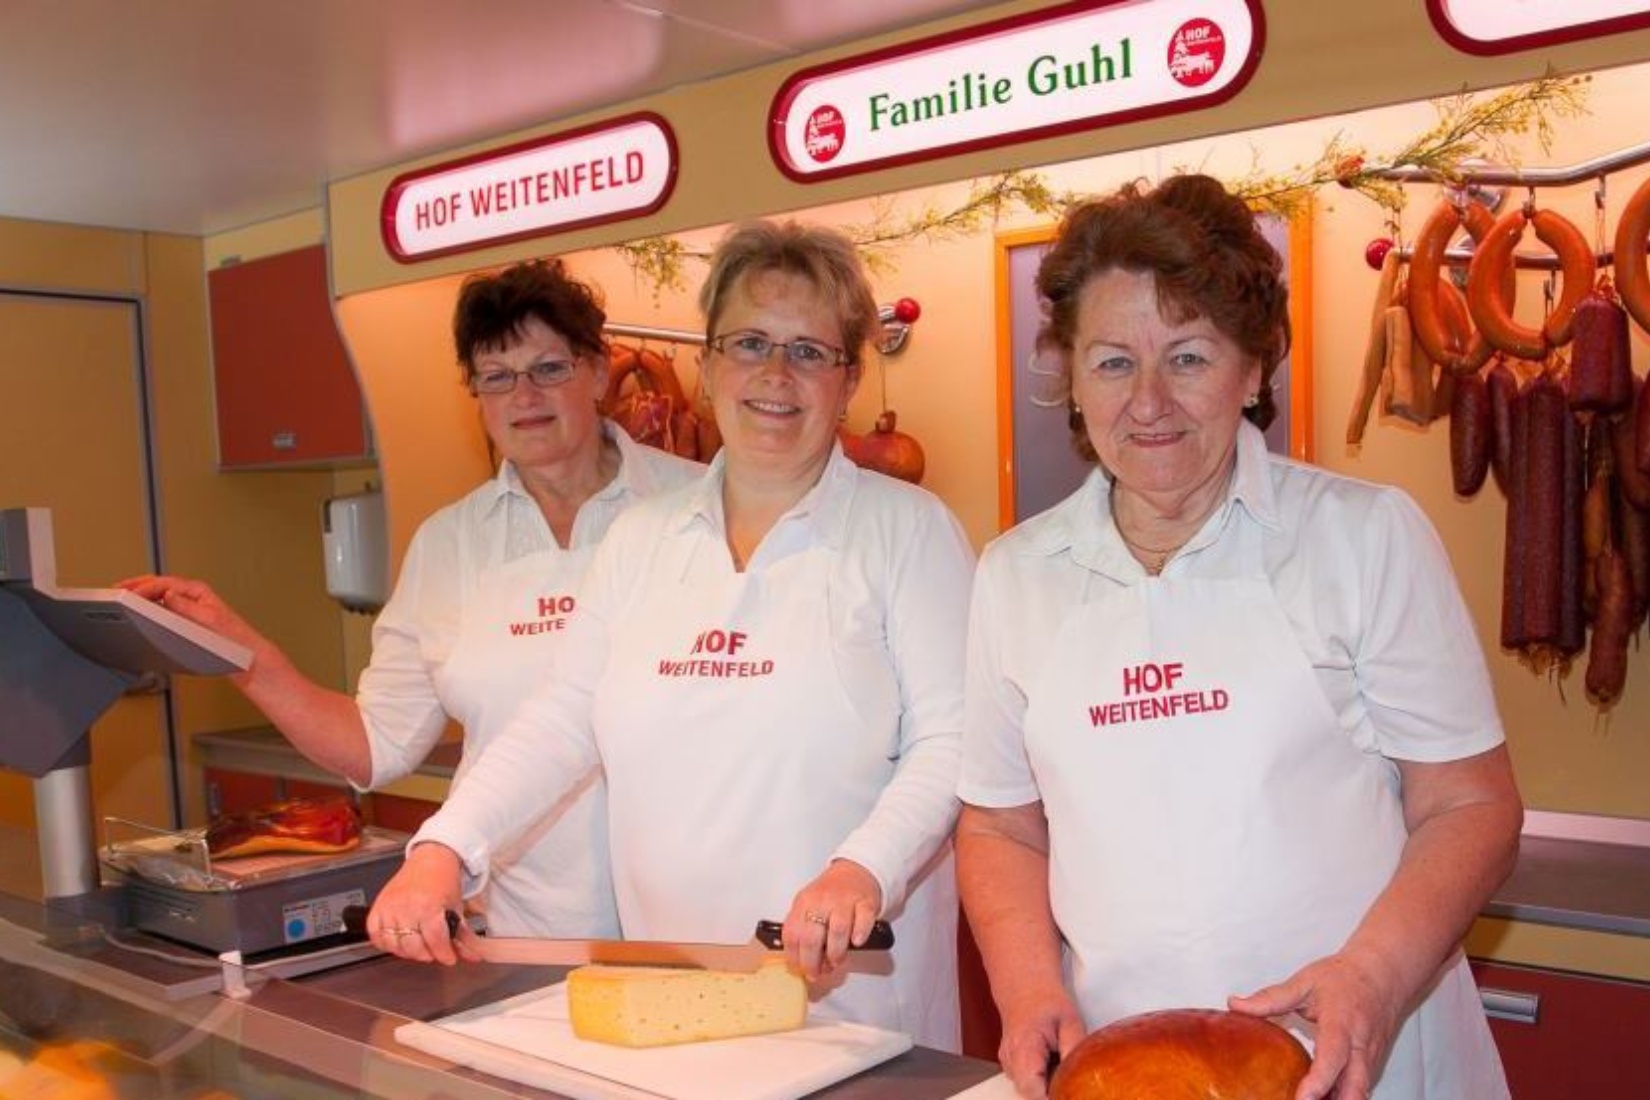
(255, 536)
(431, 448)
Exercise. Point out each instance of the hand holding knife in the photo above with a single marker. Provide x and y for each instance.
(766, 944)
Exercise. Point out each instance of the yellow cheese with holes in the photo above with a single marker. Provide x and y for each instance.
(647, 1006)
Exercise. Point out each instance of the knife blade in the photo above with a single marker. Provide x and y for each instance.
(766, 943)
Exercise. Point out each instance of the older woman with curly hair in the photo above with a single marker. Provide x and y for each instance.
(1229, 736)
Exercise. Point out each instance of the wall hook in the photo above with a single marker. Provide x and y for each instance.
(897, 320)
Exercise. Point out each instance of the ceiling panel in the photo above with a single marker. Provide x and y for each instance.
(197, 116)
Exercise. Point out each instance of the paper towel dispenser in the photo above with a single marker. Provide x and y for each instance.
(357, 550)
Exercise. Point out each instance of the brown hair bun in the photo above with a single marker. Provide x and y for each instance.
(1183, 1054)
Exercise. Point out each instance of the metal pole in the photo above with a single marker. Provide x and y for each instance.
(63, 820)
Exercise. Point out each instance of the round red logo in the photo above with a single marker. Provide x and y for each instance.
(825, 133)
(1195, 52)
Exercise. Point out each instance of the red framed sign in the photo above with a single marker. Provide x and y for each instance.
(1507, 26)
(1077, 66)
(620, 168)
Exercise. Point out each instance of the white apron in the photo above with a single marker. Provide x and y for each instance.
(553, 880)
(1212, 828)
(744, 739)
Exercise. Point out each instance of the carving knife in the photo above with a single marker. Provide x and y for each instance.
(765, 944)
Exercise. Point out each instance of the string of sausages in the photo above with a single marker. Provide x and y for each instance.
(1566, 437)
(645, 397)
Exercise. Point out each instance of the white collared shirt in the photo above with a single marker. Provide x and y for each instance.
(902, 563)
(1357, 569)
(495, 524)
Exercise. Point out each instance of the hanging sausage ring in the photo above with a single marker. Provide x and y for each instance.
(1632, 279)
(1437, 312)
(1494, 259)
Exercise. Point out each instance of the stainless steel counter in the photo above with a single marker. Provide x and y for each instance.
(1580, 871)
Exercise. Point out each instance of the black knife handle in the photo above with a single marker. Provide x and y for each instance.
(771, 934)
(355, 921)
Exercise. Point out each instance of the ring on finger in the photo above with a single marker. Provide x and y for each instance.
(399, 932)
(816, 918)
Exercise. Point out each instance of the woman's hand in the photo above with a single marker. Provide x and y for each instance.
(1034, 1031)
(325, 725)
(1356, 1013)
(195, 601)
(410, 916)
(835, 909)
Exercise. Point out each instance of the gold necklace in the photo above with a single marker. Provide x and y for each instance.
(1160, 558)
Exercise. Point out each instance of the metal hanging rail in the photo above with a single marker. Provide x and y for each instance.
(1492, 175)
(651, 332)
(1524, 261)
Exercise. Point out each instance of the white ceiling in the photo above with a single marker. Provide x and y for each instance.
(198, 116)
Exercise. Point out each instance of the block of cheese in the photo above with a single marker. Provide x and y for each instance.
(649, 1006)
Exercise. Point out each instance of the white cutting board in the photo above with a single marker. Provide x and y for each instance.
(530, 1039)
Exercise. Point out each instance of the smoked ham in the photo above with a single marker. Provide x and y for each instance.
(296, 825)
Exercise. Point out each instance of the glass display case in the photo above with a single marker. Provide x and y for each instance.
(92, 1010)
(88, 1012)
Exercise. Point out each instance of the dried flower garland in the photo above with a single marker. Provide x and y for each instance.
(1467, 129)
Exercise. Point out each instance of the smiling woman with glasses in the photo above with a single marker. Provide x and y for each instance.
(752, 349)
(546, 375)
(769, 675)
(487, 591)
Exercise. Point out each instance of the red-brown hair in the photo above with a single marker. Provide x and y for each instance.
(1208, 257)
(493, 308)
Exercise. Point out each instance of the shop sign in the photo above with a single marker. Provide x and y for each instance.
(618, 169)
(1077, 66)
(1497, 26)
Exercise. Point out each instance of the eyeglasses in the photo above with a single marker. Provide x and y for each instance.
(545, 375)
(753, 349)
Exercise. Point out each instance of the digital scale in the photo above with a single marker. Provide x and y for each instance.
(66, 655)
(251, 904)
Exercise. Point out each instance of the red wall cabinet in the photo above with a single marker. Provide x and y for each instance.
(286, 392)
(1575, 1035)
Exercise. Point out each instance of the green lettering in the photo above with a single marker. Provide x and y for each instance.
(929, 106)
(1043, 76)
(879, 104)
(1105, 69)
